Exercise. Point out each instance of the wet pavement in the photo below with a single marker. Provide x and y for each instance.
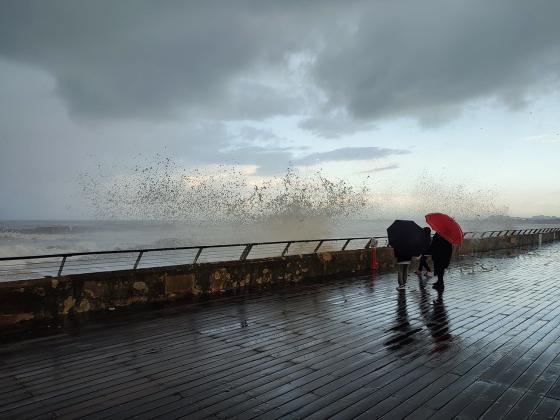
(488, 347)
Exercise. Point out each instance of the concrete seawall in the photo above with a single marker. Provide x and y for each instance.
(53, 300)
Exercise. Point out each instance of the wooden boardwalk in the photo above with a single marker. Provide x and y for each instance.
(488, 347)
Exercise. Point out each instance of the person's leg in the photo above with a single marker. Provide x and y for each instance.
(439, 271)
(421, 265)
(402, 275)
(424, 264)
(428, 269)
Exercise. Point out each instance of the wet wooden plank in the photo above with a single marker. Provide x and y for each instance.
(490, 347)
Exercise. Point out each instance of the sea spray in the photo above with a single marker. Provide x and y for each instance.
(159, 189)
(470, 205)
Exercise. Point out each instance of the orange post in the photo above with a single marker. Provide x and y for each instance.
(374, 263)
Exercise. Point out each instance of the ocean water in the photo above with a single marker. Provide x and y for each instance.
(22, 238)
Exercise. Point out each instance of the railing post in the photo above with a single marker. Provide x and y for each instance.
(245, 252)
(345, 244)
(318, 246)
(368, 245)
(197, 254)
(61, 266)
(285, 251)
(138, 260)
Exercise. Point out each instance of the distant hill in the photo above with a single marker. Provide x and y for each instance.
(546, 218)
(532, 219)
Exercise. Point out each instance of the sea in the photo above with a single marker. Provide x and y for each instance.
(35, 237)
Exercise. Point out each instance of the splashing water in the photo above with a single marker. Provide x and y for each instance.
(456, 199)
(161, 190)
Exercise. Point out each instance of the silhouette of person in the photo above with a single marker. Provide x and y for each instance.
(403, 331)
(423, 258)
(435, 318)
(441, 251)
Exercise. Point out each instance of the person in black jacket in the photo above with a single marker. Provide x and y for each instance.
(441, 251)
(423, 257)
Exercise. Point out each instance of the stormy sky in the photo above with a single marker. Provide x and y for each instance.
(465, 90)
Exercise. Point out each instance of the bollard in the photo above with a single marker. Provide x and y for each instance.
(540, 239)
(374, 263)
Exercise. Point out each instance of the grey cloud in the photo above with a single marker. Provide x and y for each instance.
(275, 160)
(335, 126)
(152, 59)
(230, 60)
(381, 168)
(269, 161)
(427, 59)
(349, 153)
(249, 133)
(140, 59)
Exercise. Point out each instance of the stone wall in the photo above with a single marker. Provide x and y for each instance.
(52, 300)
(471, 246)
(56, 298)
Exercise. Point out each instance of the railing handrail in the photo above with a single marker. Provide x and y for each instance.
(245, 252)
(181, 248)
(515, 232)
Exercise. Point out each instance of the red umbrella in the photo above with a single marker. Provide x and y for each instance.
(446, 226)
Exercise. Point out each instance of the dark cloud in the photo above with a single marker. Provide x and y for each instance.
(427, 59)
(142, 77)
(150, 59)
(235, 60)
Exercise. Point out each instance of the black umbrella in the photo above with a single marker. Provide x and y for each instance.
(408, 239)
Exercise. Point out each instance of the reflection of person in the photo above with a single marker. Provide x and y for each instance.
(402, 329)
(435, 318)
(441, 333)
(441, 251)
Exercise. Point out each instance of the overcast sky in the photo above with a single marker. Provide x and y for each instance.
(463, 90)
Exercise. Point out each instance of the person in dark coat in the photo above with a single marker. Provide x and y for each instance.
(441, 251)
(423, 258)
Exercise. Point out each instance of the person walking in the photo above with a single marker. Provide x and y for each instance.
(403, 261)
(423, 257)
(441, 251)
(424, 265)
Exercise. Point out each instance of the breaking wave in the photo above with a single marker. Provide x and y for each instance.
(161, 190)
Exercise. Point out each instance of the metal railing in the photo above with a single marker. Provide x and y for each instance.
(511, 232)
(53, 265)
